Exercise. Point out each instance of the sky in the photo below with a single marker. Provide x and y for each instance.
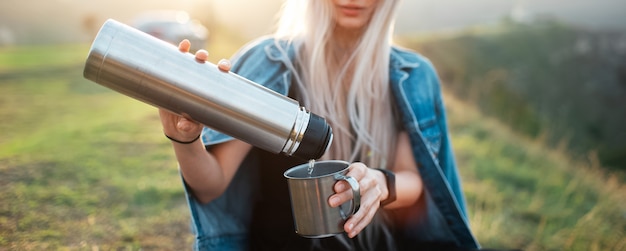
(40, 21)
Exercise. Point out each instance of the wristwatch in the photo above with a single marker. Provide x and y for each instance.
(390, 177)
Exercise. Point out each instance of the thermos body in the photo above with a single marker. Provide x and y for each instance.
(140, 66)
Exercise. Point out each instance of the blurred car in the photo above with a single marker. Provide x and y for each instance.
(173, 26)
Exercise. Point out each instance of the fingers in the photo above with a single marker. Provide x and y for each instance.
(186, 125)
(178, 126)
(184, 45)
(370, 198)
(202, 55)
(224, 65)
(343, 193)
(357, 222)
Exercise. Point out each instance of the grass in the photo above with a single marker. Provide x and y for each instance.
(536, 79)
(522, 194)
(85, 168)
(82, 167)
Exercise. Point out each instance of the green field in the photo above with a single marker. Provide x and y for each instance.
(85, 168)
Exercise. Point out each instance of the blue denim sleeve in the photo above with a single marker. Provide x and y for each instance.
(446, 157)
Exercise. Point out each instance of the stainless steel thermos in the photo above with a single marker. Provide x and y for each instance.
(145, 68)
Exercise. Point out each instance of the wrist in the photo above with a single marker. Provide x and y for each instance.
(390, 181)
(184, 142)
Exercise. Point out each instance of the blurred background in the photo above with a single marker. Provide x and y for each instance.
(535, 91)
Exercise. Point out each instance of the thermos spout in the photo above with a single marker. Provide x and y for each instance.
(155, 72)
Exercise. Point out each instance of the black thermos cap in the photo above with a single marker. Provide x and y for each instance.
(316, 139)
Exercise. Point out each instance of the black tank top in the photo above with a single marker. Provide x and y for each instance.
(272, 226)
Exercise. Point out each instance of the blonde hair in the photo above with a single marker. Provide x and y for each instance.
(361, 115)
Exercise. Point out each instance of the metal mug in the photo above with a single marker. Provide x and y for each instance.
(313, 216)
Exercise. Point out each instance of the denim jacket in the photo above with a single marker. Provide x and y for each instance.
(440, 217)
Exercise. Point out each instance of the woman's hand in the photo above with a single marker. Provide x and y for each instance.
(183, 128)
(408, 185)
(373, 189)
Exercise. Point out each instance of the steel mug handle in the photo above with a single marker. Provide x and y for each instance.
(356, 196)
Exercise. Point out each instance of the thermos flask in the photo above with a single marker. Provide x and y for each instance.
(153, 71)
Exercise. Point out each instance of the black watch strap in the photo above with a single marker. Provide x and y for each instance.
(390, 177)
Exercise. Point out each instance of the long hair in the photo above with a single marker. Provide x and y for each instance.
(354, 97)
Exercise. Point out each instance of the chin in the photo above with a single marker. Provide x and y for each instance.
(351, 25)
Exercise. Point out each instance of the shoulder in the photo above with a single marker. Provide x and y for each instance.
(252, 57)
(265, 54)
(420, 69)
(254, 48)
(403, 58)
(266, 47)
(263, 61)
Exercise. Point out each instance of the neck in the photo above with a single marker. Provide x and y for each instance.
(339, 49)
(345, 38)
